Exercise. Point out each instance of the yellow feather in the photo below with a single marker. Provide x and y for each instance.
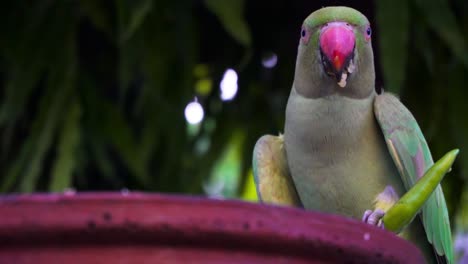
(386, 199)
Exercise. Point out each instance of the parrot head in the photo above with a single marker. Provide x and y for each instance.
(335, 54)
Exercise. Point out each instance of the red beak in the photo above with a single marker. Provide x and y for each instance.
(337, 44)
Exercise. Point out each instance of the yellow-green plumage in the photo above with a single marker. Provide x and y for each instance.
(334, 148)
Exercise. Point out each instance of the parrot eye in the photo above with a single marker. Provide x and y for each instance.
(368, 33)
(305, 35)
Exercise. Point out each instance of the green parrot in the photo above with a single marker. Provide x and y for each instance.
(346, 149)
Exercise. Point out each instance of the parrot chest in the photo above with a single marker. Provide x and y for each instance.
(336, 154)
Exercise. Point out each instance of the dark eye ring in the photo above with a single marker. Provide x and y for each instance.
(369, 31)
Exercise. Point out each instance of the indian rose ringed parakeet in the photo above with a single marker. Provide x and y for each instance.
(346, 149)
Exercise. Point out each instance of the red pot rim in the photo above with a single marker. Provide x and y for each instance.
(107, 219)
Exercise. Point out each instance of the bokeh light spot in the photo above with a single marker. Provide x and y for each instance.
(194, 113)
(228, 85)
(270, 60)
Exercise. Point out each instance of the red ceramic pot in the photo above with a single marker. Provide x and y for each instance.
(151, 228)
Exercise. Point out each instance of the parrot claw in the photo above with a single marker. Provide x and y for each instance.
(374, 217)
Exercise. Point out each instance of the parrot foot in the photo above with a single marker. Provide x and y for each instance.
(374, 217)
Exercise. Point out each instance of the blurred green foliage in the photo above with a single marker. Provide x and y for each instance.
(93, 92)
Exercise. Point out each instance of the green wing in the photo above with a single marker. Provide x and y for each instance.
(412, 157)
(272, 179)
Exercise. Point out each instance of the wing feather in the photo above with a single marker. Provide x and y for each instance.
(412, 156)
(271, 173)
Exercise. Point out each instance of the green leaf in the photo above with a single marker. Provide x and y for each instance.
(46, 124)
(27, 60)
(231, 14)
(249, 192)
(131, 15)
(457, 113)
(226, 173)
(461, 220)
(393, 27)
(14, 170)
(442, 20)
(61, 69)
(108, 126)
(422, 40)
(62, 172)
(98, 14)
(116, 130)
